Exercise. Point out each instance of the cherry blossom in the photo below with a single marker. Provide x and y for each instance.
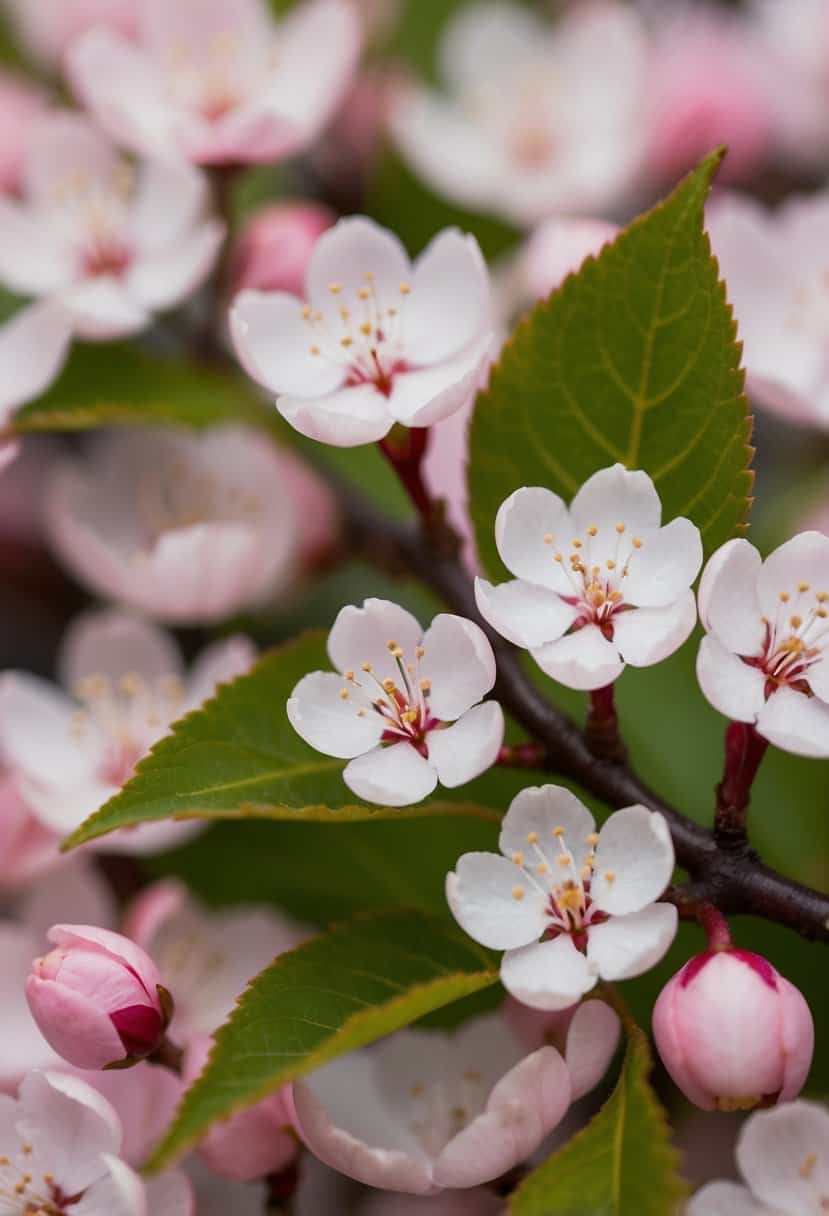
(108, 249)
(779, 291)
(783, 1155)
(60, 1142)
(33, 347)
(186, 527)
(732, 1032)
(795, 41)
(70, 751)
(406, 708)
(27, 847)
(425, 1111)
(219, 82)
(21, 106)
(380, 340)
(596, 586)
(586, 1034)
(48, 27)
(536, 119)
(765, 658)
(567, 904)
(558, 247)
(275, 246)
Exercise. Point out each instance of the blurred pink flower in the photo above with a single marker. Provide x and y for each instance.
(795, 40)
(27, 847)
(709, 83)
(275, 246)
(71, 751)
(586, 1034)
(780, 296)
(424, 1111)
(556, 248)
(21, 105)
(33, 347)
(47, 27)
(185, 526)
(97, 997)
(219, 81)
(538, 119)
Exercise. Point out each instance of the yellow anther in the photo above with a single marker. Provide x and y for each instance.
(409, 716)
(609, 876)
(611, 565)
(364, 293)
(388, 684)
(365, 666)
(822, 613)
(795, 622)
(391, 644)
(361, 713)
(803, 586)
(346, 342)
(541, 868)
(620, 528)
(592, 530)
(365, 328)
(576, 544)
(637, 544)
(518, 858)
(307, 312)
(397, 653)
(345, 314)
(784, 597)
(558, 831)
(548, 539)
(517, 892)
(349, 675)
(425, 685)
(343, 694)
(558, 557)
(391, 312)
(593, 838)
(586, 871)
(532, 838)
(335, 288)
(404, 289)
(565, 859)
(807, 1165)
(313, 350)
(419, 651)
(369, 277)
(822, 597)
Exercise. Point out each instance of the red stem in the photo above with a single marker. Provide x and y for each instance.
(744, 750)
(715, 926)
(406, 458)
(602, 726)
(522, 755)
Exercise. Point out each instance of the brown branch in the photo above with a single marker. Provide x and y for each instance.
(724, 872)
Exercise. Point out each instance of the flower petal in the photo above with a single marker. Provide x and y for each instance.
(69, 1125)
(626, 946)
(522, 524)
(325, 720)
(635, 847)
(725, 1199)
(802, 560)
(274, 342)
(732, 686)
(427, 395)
(547, 975)
(219, 663)
(31, 261)
(396, 775)
(664, 566)
(450, 304)
(102, 308)
(615, 496)
(539, 811)
(524, 613)
(345, 419)
(37, 736)
(492, 901)
(463, 751)
(362, 635)
(770, 1152)
(353, 249)
(120, 1193)
(67, 146)
(160, 280)
(728, 602)
(111, 642)
(796, 723)
(458, 663)
(648, 635)
(33, 347)
(818, 677)
(582, 660)
(592, 1039)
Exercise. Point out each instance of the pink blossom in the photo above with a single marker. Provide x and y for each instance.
(33, 347)
(187, 527)
(709, 83)
(732, 1032)
(27, 847)
(21, 105)
(795, 45)
(423, 1111)
(219, 82)
(97, 997)
(586, 1034)
(107, 247)
(557, 248)
(48, 27)
(276, 244)
(71, 751)
(379, 341)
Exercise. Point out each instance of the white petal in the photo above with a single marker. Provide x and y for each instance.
(65, 146)
(218, 663)
(120, 1193)
(729, 606)
(396, 775)
(648, 635)
(167, 204)
(547, 975)
(362, 635)
(665, 566)
(347, 253)
(69, 1124)
(796, 723)
(523, 522)
(332, 725)
(102, 309)
(111, 642)
(725, 1199)
(626, 946)
(31, 261)
(273, 341)
(345, 419)
(539, 811)
(524, 613)
(458, 662)
(635, 847)
(770, 1152)
(464, 751)
(616, 496)
(484, 38)
(494, 903)
(732, 686)
(37, 736)
(427, 395)
(33, 347)
(592, 1039)
(818, 677)
(583, 660)
(449, 305)
(160, 280)
(803, 559)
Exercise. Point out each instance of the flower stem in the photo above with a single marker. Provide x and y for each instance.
(715, 926)
(602, 726)
(522, 755)
(404, 449)
(744, 749)
(281, 1189)
(168, 1055)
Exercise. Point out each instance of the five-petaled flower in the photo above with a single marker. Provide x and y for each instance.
(567, 904)
(765, 658)
(596, 586)
(783, 1155)
(378, 341)
(406, 709)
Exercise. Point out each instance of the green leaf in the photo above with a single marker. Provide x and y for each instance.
(239, 758)
(338, 992)
(634, 359)
(622, 1162)
(122, 385)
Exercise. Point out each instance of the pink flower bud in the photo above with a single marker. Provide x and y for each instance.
(97, 999)
(274, 248)
(732, 1032)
